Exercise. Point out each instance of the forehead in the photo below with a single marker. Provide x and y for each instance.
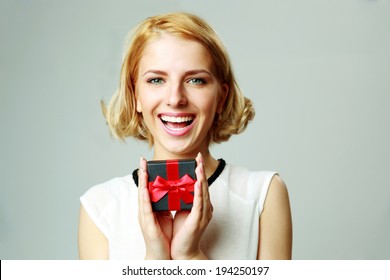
(170, 52)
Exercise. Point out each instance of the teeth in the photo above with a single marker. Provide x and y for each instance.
(176, 119)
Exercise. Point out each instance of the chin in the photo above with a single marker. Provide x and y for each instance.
(177, 150)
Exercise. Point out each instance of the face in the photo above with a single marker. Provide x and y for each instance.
(178, 95)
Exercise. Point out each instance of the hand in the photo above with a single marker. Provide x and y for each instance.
(189, 226)
(156, 226)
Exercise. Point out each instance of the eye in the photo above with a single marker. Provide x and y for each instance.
(196, 81)
(156, 81)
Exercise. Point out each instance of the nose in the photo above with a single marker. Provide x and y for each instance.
(176, 95)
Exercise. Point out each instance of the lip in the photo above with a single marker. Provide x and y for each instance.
(177, 132)
(177, 115)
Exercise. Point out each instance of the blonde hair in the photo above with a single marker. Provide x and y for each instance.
(121, 114)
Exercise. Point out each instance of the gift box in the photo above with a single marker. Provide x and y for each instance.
(171, 184)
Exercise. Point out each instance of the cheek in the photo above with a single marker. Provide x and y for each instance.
(209, 108)
(147, 101)
(143, 99)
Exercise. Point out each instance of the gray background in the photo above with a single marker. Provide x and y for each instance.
(317, 71)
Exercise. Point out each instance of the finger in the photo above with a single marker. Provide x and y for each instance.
(142, 173)
(197, 207)
(165, 214)
(145, 208)
(205, 187)
(141, 180)
(140, 184)
(199, 200)
(164, 217)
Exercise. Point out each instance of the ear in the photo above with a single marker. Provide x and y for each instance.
(222, 97)
(139, 106)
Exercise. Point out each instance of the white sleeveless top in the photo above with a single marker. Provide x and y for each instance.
(237, 195)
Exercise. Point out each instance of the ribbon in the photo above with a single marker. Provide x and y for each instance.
(176, 189)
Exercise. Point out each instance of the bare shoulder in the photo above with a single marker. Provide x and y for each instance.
(92, 242)
(277, 193)
(275, 238)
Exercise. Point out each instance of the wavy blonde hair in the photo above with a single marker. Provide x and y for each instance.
(121, 114)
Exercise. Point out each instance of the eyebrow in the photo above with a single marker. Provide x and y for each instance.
(190, 72)
(158, 72)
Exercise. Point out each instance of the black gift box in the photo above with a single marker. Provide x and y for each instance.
(171, 184)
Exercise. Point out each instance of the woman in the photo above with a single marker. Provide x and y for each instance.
(178, 92)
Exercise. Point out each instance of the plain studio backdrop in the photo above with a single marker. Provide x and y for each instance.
(318, 73)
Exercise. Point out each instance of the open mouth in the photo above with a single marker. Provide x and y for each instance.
(177, 123)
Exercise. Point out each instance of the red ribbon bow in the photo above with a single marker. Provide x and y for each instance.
(176, 189)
